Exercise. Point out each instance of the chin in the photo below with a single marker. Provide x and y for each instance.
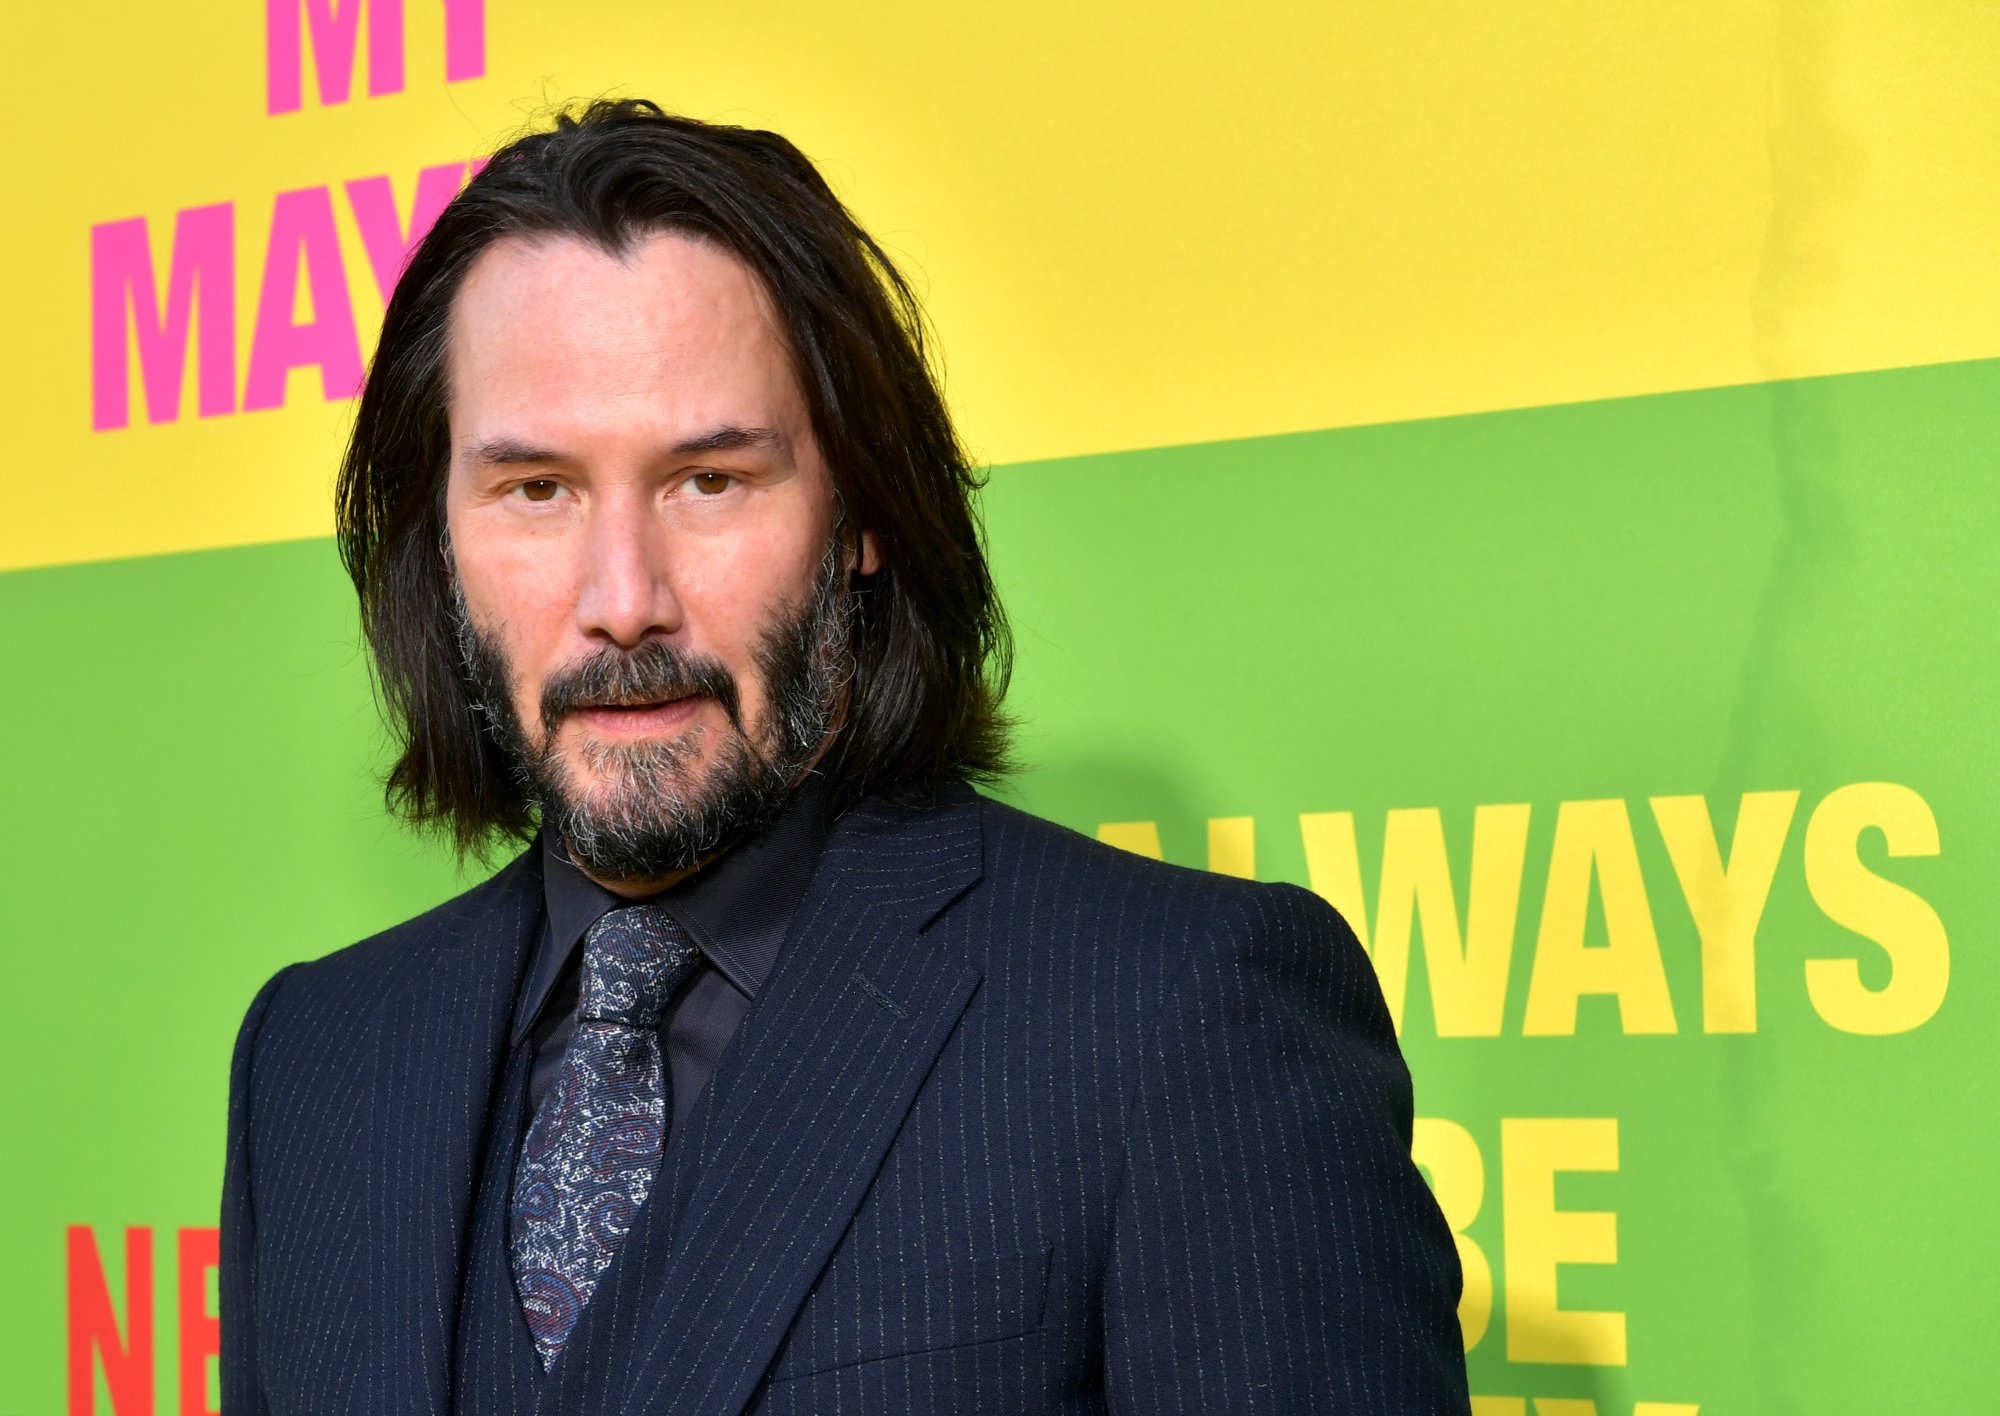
(627, 774)
(601, 759)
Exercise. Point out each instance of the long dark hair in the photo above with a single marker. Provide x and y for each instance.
(931, 651)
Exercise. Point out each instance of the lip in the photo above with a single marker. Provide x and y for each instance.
(649, 721)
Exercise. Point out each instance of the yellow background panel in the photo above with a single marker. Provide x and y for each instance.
(1136, 225)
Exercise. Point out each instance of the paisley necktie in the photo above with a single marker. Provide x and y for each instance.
(594, 1146)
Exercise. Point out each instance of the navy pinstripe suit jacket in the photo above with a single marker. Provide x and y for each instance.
(1021, 1123)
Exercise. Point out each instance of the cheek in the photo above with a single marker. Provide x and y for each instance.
(727, 625)
(735, 591)
(523, 601)
(772, 546)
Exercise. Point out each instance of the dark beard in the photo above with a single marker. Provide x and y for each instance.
(650, 819)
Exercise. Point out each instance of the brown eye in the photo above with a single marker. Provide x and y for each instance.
(711, 484)
(538, 491)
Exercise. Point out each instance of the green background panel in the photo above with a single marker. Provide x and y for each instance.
(1784, 586)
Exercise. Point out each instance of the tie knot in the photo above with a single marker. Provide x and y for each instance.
(634, 959)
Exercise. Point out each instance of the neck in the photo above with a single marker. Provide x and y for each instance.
(643, 888)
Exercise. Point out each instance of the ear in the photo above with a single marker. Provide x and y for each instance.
(870, 559)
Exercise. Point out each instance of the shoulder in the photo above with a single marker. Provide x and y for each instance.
(340, 986)
(1118, 885)
(1095, 911)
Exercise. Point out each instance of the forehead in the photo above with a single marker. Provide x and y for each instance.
(557, 336)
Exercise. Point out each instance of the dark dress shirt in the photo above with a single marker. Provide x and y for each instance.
(737, 908)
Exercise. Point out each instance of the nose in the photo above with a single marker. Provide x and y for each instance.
(625, 590)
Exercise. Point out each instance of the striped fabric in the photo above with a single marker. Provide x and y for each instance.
(1021, 1123)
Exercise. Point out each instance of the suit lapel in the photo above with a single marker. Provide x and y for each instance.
(807, 1101)
(439, 1044)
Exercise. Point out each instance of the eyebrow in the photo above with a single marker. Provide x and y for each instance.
(729, 437)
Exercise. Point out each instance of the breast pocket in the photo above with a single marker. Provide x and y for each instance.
(863, 1313)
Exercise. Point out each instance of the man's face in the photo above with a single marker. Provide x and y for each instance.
(643, 533)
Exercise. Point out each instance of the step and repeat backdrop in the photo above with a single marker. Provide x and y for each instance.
(1530, 473)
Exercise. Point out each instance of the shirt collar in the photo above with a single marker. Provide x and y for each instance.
(737, 907)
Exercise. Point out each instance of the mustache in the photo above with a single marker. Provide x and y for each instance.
(654, 672)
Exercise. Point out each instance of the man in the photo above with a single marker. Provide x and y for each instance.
(782, 1071)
